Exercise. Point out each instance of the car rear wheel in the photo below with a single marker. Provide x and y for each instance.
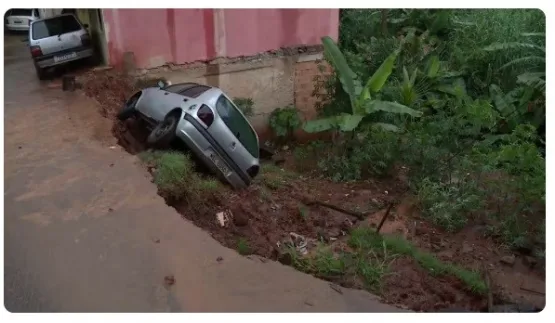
(164, 133)
(128, 109)
(41, 73)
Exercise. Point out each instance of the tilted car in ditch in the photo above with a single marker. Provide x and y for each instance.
(206, 120)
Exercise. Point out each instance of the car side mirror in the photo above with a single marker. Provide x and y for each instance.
(161, 84)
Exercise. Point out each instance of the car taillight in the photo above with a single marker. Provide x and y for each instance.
(36, 51)
(206, 115)
(253, 171)
(85, 40)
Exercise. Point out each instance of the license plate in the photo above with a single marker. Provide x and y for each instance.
(18, 22)
(219, 163)
(65, 57)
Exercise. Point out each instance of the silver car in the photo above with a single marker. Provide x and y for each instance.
(20, 19)
(58, 40)
(206, 120)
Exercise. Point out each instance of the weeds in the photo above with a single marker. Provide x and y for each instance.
(175, 176)
(243, 247)
(284, 121)
(364, 239)
(245, 105)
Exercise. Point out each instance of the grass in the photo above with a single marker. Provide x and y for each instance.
(274, 177)
(364, 239)
(176, 178)
(303, 212)
(243, 247)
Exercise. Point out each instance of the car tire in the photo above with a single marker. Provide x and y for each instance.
(129, 107)
(164, 133)
(41, 73)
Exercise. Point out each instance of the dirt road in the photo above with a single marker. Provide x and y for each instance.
(86, 231)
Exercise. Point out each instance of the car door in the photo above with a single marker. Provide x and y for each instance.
(160, 101)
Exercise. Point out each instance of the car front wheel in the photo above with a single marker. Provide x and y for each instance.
(164, 133)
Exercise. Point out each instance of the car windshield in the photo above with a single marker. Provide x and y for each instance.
(21, 12)
(237, 123)
(55, 26)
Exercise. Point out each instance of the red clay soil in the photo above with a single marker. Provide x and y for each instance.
(263, 215)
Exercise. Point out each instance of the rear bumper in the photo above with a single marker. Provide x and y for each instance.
(199, 144)
(49, 61)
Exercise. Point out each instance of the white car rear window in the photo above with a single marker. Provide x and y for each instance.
(55, 26)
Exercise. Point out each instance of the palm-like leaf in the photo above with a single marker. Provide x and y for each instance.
(391, 107)
(513, 45)
(347, 77)
(534, 80)
(524, 60)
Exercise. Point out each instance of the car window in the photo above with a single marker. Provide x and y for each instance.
(21, 12)
(238, 124)
(55, 26)
(195, 91)
(178, 88)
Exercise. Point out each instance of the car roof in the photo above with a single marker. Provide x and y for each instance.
(56, 16)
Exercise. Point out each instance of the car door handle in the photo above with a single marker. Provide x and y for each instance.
(233, 145)
(166, 93)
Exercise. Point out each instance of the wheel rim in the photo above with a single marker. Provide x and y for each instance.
(165, 127)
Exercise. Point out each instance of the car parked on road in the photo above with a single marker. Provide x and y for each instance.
(206, 120)
(58, 40)
(20, 19)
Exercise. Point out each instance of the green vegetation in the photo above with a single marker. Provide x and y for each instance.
(245, 105)
(369, 259)
(243, 247)
(464, 91)
(366, 240)
(284, 121)
(176, 178)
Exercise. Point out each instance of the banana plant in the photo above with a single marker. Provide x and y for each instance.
(360, 96)
(535, 60)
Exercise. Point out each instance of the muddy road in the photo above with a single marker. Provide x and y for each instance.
(85, 230)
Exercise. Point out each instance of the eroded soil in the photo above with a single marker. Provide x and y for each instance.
(267, 212)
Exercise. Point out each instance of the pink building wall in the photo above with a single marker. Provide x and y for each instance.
(160, 36)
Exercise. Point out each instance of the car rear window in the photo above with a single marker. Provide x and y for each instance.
(21, 12)
(195, 91)
(180, 87)
(237, 123)
(55, 26)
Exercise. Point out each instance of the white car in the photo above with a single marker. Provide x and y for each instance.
(58, 40)
(20, 19)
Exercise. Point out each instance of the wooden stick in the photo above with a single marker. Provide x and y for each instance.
(531, 291)
(384, 217)
(360, 216)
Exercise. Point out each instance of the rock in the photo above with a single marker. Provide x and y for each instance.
(436, 247)
(530, 261)
(334, 232)
(508, 260)
(285, 258)
(220, 259)
(169, 280)
(466, 248)
(240, 219)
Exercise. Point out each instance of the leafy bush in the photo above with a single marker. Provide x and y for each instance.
(284, 121)
(245, 105)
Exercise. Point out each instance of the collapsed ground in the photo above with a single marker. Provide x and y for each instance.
(411, 263)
